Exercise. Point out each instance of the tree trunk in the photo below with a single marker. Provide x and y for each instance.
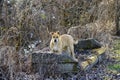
(1, 4)
(117, 17)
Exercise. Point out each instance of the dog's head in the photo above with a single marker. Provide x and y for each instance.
(55, 36)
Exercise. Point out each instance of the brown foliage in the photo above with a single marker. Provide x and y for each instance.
(34, 19)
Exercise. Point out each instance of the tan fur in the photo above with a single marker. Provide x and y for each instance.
(63, 42)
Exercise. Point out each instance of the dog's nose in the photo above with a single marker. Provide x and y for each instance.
(55, 40)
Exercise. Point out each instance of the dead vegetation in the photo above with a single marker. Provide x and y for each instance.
(25, 22)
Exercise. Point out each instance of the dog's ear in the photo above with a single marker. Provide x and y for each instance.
(51, 33)
(58, 32)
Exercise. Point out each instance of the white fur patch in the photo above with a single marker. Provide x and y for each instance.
(55, 48)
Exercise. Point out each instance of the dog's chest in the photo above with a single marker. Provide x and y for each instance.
(55, 47)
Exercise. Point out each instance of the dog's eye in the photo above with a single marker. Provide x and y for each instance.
(53, 36)
(56, 36)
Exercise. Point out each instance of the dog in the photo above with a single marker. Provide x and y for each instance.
(60, 43)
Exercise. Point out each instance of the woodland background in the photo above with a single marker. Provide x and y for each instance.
(34, 19)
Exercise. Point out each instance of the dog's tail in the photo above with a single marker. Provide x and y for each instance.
(75, 41)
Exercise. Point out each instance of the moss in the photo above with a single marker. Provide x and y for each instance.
(75, 69)
(117, 45)
(114, 67)
(67, 60)
(116, 50)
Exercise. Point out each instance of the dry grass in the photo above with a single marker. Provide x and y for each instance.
(27, 21)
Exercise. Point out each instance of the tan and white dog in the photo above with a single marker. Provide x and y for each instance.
(59, 43)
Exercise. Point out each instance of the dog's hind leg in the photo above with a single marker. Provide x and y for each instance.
(72, 53)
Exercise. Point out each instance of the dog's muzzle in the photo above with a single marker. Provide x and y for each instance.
(55, 40)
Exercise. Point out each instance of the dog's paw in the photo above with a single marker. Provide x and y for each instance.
(76, 59)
